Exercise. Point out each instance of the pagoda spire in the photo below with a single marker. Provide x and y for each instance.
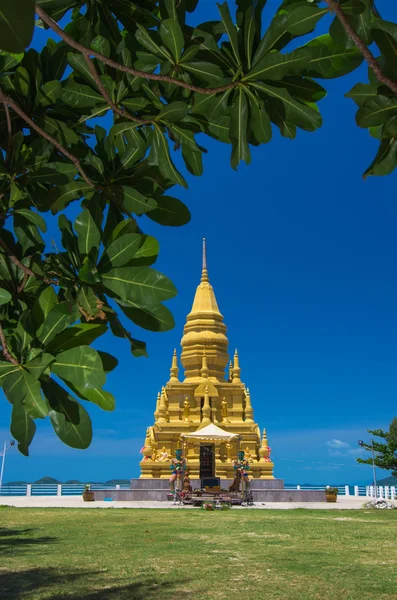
(204, 272)
(174, 368)
(236, 368)
(204, 332)
(249, 413)
(204, 367)
(162, 408)
(157, 411)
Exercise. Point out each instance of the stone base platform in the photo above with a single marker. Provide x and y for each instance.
(263, 490)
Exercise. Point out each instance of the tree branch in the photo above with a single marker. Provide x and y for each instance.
(23, 267)
(116, 65)
(6, 353)
(9, 131)
(113, 106)
(367, 54)
(7, 100)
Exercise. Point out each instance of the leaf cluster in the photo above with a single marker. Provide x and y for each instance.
(165, 85)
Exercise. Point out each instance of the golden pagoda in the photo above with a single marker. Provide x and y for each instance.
(205, 395)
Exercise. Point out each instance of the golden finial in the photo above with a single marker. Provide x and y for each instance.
(174, 367)
(204, 272)
(204, 367)
(206, 406)
(157, 411)
(264, 450)
(236, 368)
(249, 413)
(230, 371)
(162, 407)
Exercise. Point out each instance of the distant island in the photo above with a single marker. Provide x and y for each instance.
(51, 481)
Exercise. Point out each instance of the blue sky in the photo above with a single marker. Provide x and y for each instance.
(301, 253)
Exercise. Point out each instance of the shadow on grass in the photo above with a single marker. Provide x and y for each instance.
(23, 584)
(12, 540)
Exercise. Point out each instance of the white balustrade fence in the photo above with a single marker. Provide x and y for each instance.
(66, 489)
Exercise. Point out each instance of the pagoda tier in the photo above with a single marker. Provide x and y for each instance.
(205, 396)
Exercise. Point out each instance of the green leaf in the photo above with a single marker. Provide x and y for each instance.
(275, 66)
(16, 24)
(43, 305)
(174, 111)
(131, 200)
(49, 93)
(208, 72)
(141, 285)
(22, 388)
(138, 348)
(362, 92)
(101, 45)
(172, 36)
(153, 318)
(70, 420)
(376, 111)
(101, 398)
(59, 317)
(148, 251)
(81, 334)
(120, 251)
(88, 234)
(385, 160)
(33, 217)
(238, 130)
(27, 234)
(296, 113)
(303, 19)
(89, 272)
(64, 194)
(276, 37)
(144, 38)
(387, 44)
(5, 296)
(330, 60)
(230, 29)
(109, 362)
(259, 121)
(22, 428)
(38, 365)
(80, 96)
(81, 366)
(160, 156)
(57, 173)
(88, 302)
(170, 211)
(6, 368)
(303, 88)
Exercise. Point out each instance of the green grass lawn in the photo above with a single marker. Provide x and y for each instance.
(101, 554)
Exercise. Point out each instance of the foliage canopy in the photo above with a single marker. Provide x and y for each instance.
(168, 84)
(386, 452)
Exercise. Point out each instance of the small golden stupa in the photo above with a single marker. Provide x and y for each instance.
(205, 396)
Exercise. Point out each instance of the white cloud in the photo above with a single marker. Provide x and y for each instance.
(355, 451)
(335, 452)
(337, 444)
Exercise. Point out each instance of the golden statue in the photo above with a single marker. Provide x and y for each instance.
(186, 410)
(248, 455)
(163, 455)
(155, 456)
(224, 409)
(228, 452)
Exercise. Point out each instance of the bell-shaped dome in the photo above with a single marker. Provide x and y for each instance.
(204, 333)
